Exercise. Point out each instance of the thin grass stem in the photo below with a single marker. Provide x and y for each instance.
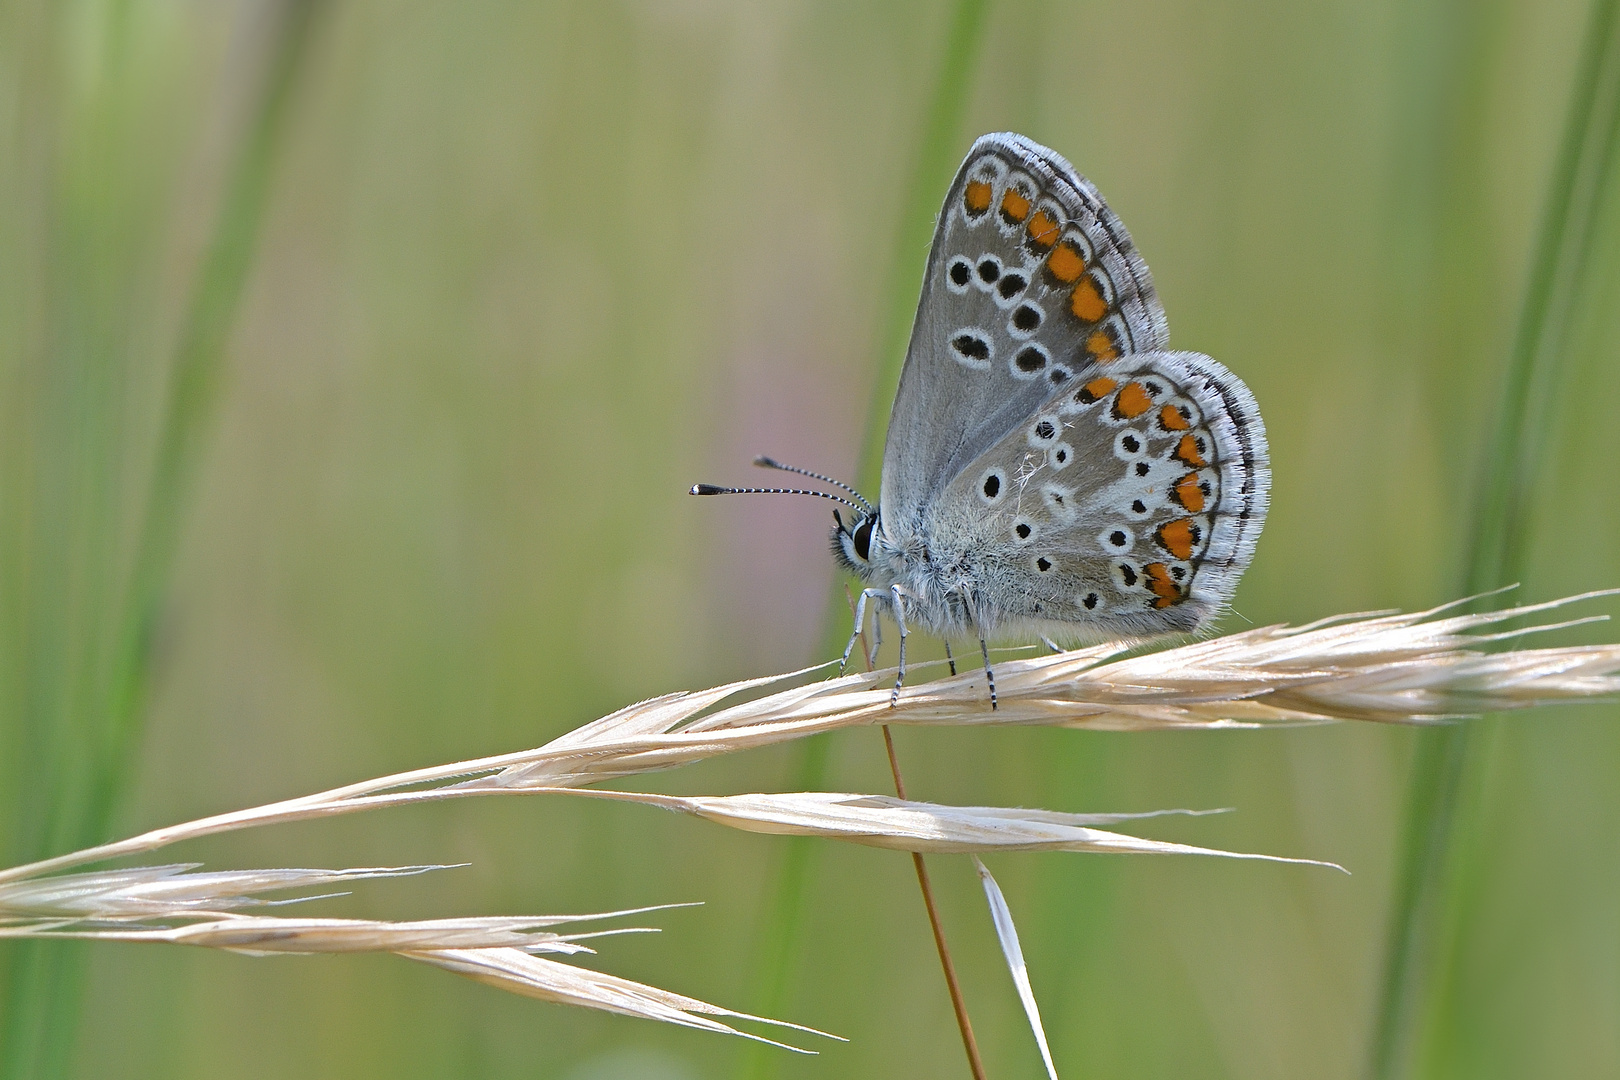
(195, 378)
(936, 157)
(958, 1005)
(1446, 767)
(45, 982)
(1417, 668)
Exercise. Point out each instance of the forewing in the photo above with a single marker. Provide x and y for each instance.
(1128, 504)
(1031, 281)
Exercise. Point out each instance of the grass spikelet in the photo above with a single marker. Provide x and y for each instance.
(173, 905)
(1414, 669)
(928, 828)
(563, 984)
(1384, 668)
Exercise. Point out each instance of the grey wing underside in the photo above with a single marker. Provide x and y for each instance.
(1127, 505)
(1031, 281)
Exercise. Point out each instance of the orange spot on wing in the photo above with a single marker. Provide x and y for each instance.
(977, 197)
(1170, 419)
(1101, 346)
(1087, 303)
(1096, 390)
(1178, 537)
(1065, 263)
(1187, 452)
(1014, 205)
(1189, 494)
(1043, 231)
(1132, 401)
(1160, 584)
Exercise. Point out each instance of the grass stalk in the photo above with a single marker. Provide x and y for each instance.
(1404, 669)
(937, 155)
(958, 1005)
(1390, 669)
(195, 378)
(1445, 770)
(45, 979)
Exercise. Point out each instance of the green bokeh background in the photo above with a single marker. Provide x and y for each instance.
(527, 270)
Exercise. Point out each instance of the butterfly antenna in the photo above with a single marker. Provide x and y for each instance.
(771, 463)
(710, 489)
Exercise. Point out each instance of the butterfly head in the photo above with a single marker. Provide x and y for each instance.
(852, 542)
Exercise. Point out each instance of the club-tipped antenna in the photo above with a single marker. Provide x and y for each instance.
(710, 489)
(765, 462)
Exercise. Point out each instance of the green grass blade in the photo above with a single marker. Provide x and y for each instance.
(937, 155)
(194, 385)
(1432, 870)
(44, 981)
(1579, 185)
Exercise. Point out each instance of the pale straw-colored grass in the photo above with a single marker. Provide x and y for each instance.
(929, 828)
(173, 905)
(1422, 668)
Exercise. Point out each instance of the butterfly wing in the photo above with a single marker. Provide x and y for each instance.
(1031, 281)
(1127, 504)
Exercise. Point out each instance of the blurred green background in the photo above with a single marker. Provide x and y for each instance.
(355, 359)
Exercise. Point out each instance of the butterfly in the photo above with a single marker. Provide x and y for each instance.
(1051, 469)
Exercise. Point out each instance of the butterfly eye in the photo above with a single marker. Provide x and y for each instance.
(861, 538)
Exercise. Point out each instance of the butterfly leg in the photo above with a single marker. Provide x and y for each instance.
(860, 620)
(897, 602)
(949, 659)
(860, 617)
(989, 675)
(1050, 644)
